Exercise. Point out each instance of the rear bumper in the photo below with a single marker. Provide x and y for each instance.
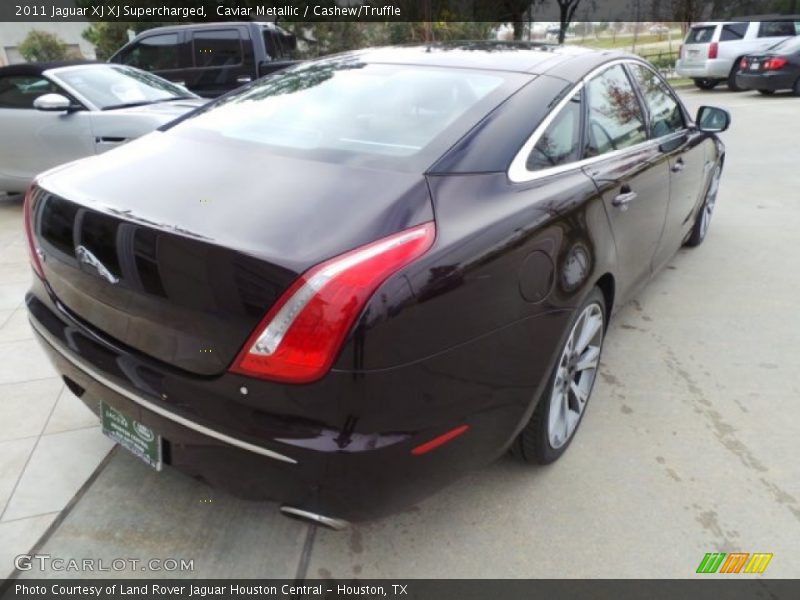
(718, 68)
(326, 447)
(766, 81)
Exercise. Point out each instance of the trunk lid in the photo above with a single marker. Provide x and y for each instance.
(177, 248)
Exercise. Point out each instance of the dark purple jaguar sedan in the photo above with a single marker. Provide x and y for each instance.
(345, 285)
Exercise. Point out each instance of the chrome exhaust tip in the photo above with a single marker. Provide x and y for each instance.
(304, 515)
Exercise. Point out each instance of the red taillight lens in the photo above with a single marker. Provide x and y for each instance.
(27, 210)
(743, 64)
(773, 64)
(300, 336)
(713, 49)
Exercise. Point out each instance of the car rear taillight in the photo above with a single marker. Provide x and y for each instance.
(301, 335)
(27, 211)
(713, 49)
(773, 64)
(743, 64)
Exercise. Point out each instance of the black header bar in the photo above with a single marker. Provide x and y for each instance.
(392, 10)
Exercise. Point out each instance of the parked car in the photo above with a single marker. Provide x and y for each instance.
(711, 52)
(346, 285)
(659, 30)
(774, 70)
(210, 58)
(53, 113)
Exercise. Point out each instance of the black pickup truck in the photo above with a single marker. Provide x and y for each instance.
(210, 58)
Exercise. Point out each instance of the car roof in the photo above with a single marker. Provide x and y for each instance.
(34, 69)
(523, 57)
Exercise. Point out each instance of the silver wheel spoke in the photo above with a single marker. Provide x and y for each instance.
(589, 358)
(591, 326)
(565, 433)
(554, 422)
(579, 394)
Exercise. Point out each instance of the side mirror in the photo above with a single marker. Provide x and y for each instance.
(53, 103)
(712, 119)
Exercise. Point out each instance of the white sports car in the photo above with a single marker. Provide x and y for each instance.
(59, 112)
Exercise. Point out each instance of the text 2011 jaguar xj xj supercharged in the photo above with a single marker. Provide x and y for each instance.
(345, 285)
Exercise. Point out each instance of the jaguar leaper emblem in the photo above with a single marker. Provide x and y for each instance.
(86, 257)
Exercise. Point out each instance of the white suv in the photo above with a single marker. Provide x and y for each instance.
(711, 51)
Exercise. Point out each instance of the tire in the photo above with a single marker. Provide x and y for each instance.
(706, 84)
(766, 92)
(796, 88)
(732, 85)
(544, 439)
(703, 219)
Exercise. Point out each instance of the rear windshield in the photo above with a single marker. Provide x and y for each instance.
(700, 35)
(344, 109)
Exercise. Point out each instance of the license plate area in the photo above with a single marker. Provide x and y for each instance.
(139, 440)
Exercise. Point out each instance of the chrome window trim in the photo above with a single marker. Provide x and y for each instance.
(518, 171)
(144, 403)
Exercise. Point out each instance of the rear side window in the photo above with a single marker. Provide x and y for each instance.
(615, 115)
(777, 29)
(665, 113)
(700, 35)
(560, 143)
(732, 32)
(218, 48)
(154, 53)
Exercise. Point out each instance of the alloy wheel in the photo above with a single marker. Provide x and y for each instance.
(575, 375)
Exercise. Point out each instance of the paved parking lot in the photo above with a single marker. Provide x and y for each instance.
(49, 441)
(690, 444)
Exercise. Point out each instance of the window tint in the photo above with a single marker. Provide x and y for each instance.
(560, 142)
(700, 35)
(153, 53)
(777, 29)
(615, 116)
(665, 112)
(732, 31)
(19, 91)
(219, 48)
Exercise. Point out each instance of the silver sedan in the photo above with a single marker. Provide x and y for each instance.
(52, 114)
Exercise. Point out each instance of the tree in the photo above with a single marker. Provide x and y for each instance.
(566, 9)
(40, 46)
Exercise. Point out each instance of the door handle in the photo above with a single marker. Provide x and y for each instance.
(625, 197)
(678, 166)
(244, 79)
